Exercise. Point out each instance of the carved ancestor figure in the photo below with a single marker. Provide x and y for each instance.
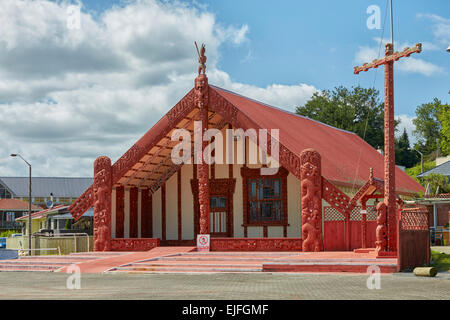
(102, 204)
(381, 231)
(311, 200)
(201, 59)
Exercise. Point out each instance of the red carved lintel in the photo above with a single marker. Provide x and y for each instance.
(82, 204)
(129, 244)
(256, 244)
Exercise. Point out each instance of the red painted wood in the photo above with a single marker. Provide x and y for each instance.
(102, 188)
(256, 244)
(163, 212)
(134, 212)
(120, 211)
(146, 216)
(334, 235)
(127, 244)
(179, 204)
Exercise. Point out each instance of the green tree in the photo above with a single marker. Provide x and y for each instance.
(404, 155)
(428, 126)
(436, 180)
(444, 119)
(358, 109)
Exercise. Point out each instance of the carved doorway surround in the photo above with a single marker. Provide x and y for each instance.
(221, 207)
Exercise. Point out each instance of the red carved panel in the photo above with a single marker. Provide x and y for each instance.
(102, 188)
(256, 244)
(134, 192)
(217, 187)
(146, 214)
(311, 200)
(120, 211)
(128, 244)
(389, 153)
(231, 114)
(336, 198)
(82, 204)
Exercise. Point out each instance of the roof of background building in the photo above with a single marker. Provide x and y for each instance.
(440, 169)
(16, 205)
(43, 186)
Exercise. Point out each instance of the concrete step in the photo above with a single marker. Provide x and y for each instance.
(98, 253)
(243, 253)
(184, 269)
(26, 267)
(190, 265)
(352, 267)
(59, 258)
(19, 262)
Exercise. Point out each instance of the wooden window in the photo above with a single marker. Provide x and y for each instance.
(265, 201)
(265, 198)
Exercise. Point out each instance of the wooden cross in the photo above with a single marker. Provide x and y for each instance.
(389, 130)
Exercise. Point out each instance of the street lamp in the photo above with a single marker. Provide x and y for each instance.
(29, 201)
(421, 160)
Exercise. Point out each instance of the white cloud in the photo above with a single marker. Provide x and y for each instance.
(406, 122)
(68, 96)
(412, 65)
(419, 66)
(440, 28)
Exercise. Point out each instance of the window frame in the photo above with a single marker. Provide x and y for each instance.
(249, 173)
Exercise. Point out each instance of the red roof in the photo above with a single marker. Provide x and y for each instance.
(16, 205)
(346, 158)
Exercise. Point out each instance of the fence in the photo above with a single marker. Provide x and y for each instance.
(413, 238)
(335, 225)
(67, 243)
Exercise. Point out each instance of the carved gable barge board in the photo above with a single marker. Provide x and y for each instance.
(238, 119)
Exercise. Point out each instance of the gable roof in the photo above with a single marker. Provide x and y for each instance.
(43, 186)
(346, 158)
(443, 169)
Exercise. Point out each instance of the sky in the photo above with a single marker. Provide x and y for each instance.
(70, 93)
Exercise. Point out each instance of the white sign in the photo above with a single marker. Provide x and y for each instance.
(203, 242)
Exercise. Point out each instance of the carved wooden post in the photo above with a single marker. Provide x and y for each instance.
(363, 222)
(201, 99)
(381, 232)
(102, 204)
(311, 200)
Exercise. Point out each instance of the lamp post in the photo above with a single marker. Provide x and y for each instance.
(421, 160)
(29, 201)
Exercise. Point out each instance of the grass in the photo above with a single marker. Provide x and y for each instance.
(440, 261)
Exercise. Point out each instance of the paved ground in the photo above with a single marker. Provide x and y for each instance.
(41, 285)
(444, 249)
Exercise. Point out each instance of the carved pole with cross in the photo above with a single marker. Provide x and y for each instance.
(389, 130)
